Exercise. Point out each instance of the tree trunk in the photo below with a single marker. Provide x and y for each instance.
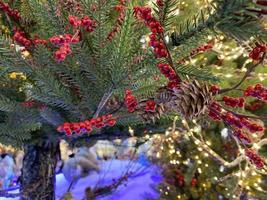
(38, 172)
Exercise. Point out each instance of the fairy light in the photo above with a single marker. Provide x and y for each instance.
(167, 132)
(208, 143)
(200, 149)
(229, 75)
(131, 131)
(238, 174)
(256, 146)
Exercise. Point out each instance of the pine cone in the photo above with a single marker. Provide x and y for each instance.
(191, 99)
(150, 116)
(163, 95)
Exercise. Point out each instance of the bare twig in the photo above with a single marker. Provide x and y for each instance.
(249, 70)
(103, 101)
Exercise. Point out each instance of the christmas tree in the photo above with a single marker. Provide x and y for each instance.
(87, 70)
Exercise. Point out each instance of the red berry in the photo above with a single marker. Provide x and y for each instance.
(111, 122)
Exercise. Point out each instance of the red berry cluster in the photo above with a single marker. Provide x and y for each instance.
(180, 179)
(215, 110)
(74, 21)
(193, 182)
(150, 106)
(255, 105)
(160, 3)
(130, 101)
(13, 13)
(144, 13)
(64, 42)
(159, 48)
(202, 48)
(86, 22)
(64, 39)
(255, 158)
(256, 53)
(61, 54)
(252, 127)
(37, 41)
(241, 136)
(20, 38)
(121, 9)
(169, 73)
(261, 2)
(214, 89)
(257, 91)
(234, 102)
(232, 119)
(87, 126)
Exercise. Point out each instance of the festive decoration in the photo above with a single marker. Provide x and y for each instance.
(130, 101)
(87, 126)
(234, 102)
(20, 37)
(256, 53)
(63, 41)
(9, 11)
(150, 111)
(79, 56)
(167, 71)
(261, 2)
(120, 8)
(200, 49)
(255, 159)
(258, 91)
(157, 43)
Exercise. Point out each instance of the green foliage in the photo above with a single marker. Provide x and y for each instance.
(98, 68)
(228, 16)
(194, 72)
(189, 28)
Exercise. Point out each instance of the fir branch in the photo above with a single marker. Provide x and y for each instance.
(192, 71)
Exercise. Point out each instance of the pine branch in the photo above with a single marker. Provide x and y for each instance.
(194, 72)
(8, 105)
(199, 22)
(166, 13)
